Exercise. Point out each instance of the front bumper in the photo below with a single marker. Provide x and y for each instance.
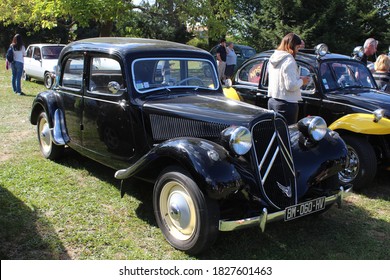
(266, 217)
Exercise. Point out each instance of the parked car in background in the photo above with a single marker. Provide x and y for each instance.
(155, 110)
(343, 91)
(40, 62)
(243, 53)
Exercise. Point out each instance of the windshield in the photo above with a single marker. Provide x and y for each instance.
(167, 73)
(349, 74)
(247, 53)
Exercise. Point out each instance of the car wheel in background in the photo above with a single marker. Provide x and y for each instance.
(25, 77)
(362, 163)
(48, 80)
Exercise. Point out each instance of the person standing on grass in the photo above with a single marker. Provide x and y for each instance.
(284, 80)
(18, 63)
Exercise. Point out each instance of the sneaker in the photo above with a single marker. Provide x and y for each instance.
(20, 93)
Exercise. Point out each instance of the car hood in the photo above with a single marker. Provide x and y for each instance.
(364, 100)
(206, 108)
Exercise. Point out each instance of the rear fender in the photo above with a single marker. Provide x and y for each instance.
(209, 163)
(362, 123)
(48, 102)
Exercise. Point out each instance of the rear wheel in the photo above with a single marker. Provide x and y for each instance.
(362, 163)
(187, 219)
(48, 80)
(48, 148)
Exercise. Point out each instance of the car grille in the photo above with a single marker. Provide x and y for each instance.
(164, 128)
(274, 162)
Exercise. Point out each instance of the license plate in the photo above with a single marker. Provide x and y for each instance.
(304, 208)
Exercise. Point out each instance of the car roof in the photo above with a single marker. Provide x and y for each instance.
(45, 45)
(125, 45)
(243, 46)
(308, 56)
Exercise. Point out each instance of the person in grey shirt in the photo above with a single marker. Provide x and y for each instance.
(231, 60)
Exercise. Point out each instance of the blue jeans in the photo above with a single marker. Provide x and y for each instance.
(17, 71)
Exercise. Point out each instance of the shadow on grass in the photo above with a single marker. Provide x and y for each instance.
(380, 187)
(340, 234)
(141, 190)
(23, 235)
(349, 233)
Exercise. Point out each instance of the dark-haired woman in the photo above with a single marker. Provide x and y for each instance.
(284, 80)
(18, 63)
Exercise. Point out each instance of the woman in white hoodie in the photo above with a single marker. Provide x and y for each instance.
(284, 80)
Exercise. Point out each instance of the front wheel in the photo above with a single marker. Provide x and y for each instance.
(25, 77)
(48, 148)
(187, 219)
(362, 163)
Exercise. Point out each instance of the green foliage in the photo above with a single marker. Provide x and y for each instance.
(259, 23)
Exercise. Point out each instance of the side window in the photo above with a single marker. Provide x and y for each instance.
(305, 71)
(73, 72)
(105, 76)
(29, 52)
(251, 73)
(37, 53)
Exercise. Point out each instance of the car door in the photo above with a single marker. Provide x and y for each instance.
(36, 64)
(71, 90)
(312, 99)
(106, 123)
(248, 82)
(27, 60)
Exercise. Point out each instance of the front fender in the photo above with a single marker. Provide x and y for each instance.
(209, 163)
(318, 162)
(362, 123)
(231, 93)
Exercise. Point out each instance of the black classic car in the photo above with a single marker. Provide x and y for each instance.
(155, 110)
(344, 93)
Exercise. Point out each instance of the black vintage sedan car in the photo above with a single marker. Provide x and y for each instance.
(155, 110)
(343, 92)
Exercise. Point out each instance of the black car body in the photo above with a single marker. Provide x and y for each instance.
(155, 110)
(343, 92)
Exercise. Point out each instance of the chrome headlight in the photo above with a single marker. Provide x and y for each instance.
(237, 139)
(378, 115)
(321, 50)
(314, 127)
(357, 53)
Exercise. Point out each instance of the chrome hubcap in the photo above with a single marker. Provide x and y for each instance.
(44, 136)
(352, 169)
(178, 210)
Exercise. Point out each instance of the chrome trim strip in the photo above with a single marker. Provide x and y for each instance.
(265, 217)
(286, 155)
(264, 178)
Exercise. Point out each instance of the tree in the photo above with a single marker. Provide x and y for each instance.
(49, 13)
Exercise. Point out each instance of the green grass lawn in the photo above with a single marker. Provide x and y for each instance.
(71, 209)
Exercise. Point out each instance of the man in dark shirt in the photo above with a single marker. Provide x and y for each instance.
(369, 47)
(221, 60)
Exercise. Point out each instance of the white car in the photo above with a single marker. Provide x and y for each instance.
(40, 62)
